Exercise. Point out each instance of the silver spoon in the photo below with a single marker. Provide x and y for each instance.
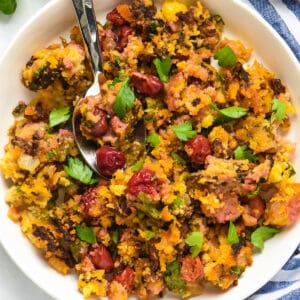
(87, 22)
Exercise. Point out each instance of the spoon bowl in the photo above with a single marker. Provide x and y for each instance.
(88, 26)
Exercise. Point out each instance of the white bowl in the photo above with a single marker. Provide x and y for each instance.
(55, 20)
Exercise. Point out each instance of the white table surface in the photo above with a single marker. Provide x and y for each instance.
(14, 285)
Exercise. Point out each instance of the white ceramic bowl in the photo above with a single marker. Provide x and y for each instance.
(55, 20)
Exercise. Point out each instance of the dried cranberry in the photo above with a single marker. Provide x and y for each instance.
(109, 160)
(123, 34)
(198, 148)
(101, 257)
(115, 18)
(88, 199)
(101, 127)
(146, 83)
(126, 278)
(143, 181)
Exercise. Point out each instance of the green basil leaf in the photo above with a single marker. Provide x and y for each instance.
(163, 67)
(184, 131)
(195, 240)
(86, 234)
(8, 7)
(242, 152)
(278, 109)
(261, 234)
(153, 139)
(226, 57)
(232, 236)
(59, 115)
(124, 100)
(137, 166)
(80, 171)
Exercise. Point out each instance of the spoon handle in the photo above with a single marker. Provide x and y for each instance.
(88, 26)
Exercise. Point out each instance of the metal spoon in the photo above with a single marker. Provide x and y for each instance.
(87, 22)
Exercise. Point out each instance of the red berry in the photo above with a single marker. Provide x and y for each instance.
(109, 160)
(126, 278)
(115, 18)
(198, 148)
(101, 257)
(143, 181)
(146, 83)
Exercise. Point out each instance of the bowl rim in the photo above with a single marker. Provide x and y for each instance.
(51, 5)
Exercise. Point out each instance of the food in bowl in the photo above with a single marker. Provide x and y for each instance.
(189, 207)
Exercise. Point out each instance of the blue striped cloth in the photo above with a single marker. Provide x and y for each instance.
(284, 17)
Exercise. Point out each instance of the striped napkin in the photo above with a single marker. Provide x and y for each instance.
(284, 17)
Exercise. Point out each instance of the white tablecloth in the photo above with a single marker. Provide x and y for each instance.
(14, 285)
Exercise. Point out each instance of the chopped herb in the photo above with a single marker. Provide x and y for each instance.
(116, 236)
(86, 234)
(19, 109)
(236, 270)
(51, 154)
(114, 82)
(137, 166)
(146, 234)
(261, 234)
(153, 139)
(178, 205)
(173, 277)
(19, 189)
(40, 70)
(291, 169)
(125, 99)
(75, 249)
(220, 77)
(8, 7)
(119, 61)
(232, 236)
(195, 240)
(58, 116)
(140, 215)
(163, 67)
(105, 25)
(254, 193)
(184, 131)
(51, 204)
(242, 152)
(229, 113)
(147, 206)
(226, 57)
(278, 110)
(80, 171)
(178, 159)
